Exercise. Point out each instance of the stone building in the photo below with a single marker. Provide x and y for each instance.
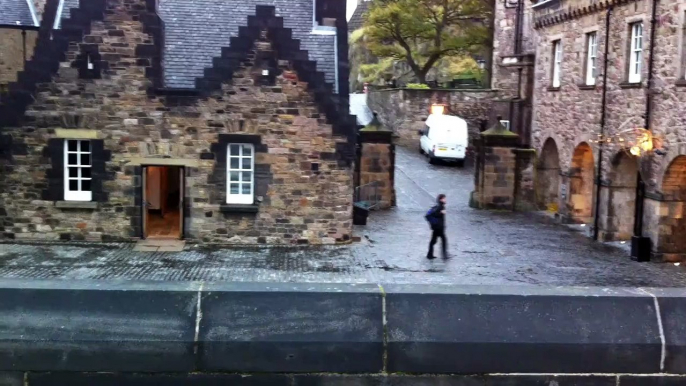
(609, 119)
(213, 121)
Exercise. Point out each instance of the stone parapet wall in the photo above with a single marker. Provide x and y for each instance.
(403, 111)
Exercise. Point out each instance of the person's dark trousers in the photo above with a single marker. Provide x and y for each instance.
(438, 232)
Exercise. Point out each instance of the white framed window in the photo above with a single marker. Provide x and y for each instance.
(636, 52)
(591, 55)
(78, 164)
(506, 124)
(240, 173)
(557, 62)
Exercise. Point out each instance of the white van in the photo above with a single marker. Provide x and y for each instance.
(444, 137)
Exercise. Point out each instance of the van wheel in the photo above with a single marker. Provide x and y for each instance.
(460, 163)
(421, 151)
(432, 160)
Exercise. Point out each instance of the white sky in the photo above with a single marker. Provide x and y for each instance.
(350, 8)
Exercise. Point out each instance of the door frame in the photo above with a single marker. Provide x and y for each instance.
(182, 201)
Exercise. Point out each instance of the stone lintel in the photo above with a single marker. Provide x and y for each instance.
(76, 134)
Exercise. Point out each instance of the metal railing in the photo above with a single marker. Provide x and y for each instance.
(368, 195)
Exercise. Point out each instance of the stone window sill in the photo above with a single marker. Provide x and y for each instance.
(238, 208)
(680, 83)
(586, 87)
(76, 205)
(631, 85)
(551, 88)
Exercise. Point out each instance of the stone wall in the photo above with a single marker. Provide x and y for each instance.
(404, 111)
(12, 52)
(303, 183)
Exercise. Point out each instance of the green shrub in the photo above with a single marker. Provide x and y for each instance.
(417, 86)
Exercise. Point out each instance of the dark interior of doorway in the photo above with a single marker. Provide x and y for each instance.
(162, 196)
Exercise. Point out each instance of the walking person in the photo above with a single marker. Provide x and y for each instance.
(436, 219)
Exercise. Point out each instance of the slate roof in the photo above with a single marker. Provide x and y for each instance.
(12, 11)
(357, 19)
(196, 31)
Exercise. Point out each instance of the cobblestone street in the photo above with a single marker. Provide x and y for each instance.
(493, 248)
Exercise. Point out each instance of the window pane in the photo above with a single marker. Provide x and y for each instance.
(85, 159)
(235, 149)
(246, 163)
(247, 150)
(234, 176)
(86, 172)
(247, 176)
(234, 189)
(72, 160)
(235, 163)
(72, 145)
(74, 185)
(85, 146)
(86, 185)
(246, 189)
(73, 172)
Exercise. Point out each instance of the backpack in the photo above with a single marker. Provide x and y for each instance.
(430, 216)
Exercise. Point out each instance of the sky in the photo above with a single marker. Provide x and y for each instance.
(351, 8)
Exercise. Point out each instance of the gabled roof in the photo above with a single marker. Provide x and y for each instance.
(16, 12)
(196, 31)
(357, 19)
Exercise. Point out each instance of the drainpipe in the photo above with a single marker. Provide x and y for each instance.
(23, 41)
(603, 119)
(639, 244)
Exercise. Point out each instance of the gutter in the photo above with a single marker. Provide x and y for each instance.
(639, 244)
(603, 120)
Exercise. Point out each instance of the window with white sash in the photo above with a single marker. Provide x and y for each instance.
(591, 56)
(557, 62)
(78, 164)
(636, 52)
(240, 173)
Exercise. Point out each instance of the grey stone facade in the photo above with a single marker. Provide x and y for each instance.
(567, 119)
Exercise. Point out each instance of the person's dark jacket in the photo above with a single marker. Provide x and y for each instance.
(439, 217)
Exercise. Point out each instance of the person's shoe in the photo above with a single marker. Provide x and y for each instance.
(431, 257)
(447, 257)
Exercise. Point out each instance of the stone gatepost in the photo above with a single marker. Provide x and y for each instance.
(376, 162)
(503, 173)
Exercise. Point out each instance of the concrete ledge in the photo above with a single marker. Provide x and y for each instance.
(522, 330)
(292, 328)
(255, 328)
(247, 379)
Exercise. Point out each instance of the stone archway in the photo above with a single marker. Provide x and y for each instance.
(671, 240)
(548, 177)
(580, 202)
(617, 217)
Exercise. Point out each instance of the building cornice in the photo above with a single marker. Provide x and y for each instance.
(571, 13)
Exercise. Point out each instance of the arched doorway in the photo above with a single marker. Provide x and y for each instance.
(548, 177)
(672, 231)
(618, 223)
(580, 203)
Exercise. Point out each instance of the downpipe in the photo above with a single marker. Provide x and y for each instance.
(640, 245)
(603, 120)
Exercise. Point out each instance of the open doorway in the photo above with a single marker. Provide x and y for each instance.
(163, 202)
